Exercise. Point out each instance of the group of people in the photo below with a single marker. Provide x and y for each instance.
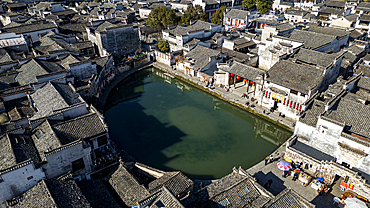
(269, 159)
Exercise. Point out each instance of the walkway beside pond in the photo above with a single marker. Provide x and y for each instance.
(234, 96)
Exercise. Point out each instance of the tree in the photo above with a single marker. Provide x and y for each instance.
(160, 16)
(249, 3)
(218, 16)
(263, 6)
(163, 45)
(193, 13)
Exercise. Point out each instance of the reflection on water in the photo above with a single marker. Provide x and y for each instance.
(171, 125)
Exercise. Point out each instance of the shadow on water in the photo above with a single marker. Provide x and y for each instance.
(158, 138)
(144, 145)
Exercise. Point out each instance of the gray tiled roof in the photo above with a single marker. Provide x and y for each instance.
(103, 26)
(195, 27)
(332, 11)
(241, 57)
(7, 156)
(351, 17)
(332, 3)
(100, 63)
(75, 28)
(312, 40)
(83, 45)
(365, 17)
(288, 198)
(233, 190)
(296, 12)
(5, 58)
(354, 49)
(299, 77)
(284, 26)
(245, 71)
(355, 34)
(70, 59)
(311, 151)
(67, 93)
(47, 100)
(355, 116)
(161, 198)
(23, 148)
(61, 192)
(175, 182)
(80, 128)
(329, 31)
(315, 58)
(45, 138)
(313, 112)
(97, 194)
(50, 66)
(364, 83)
(365, 6)
(66, 193)
(201, 54)
(36, 197)
(127, 186)
(30, 28)
(237, 13)
(364, 69)
(29, 71)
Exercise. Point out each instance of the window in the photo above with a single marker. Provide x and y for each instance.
(39, 133)
(78, 164)
(223, 203)
(294, 92)
(243, 192)
(29, 178)
(102, 141)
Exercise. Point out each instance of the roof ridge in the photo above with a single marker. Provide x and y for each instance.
(75, 119)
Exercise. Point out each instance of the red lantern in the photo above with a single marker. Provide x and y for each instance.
(231, 75)
(237, 77)
(245, 80)
(252, 82)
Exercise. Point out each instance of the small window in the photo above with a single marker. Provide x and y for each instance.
(243, 192)
(29, 178)
(223, 203)
(39, 133)
(78, 164)
(102, 141)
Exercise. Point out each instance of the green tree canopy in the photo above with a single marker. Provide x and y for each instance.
(218, 16)
(249, 3)
(162, 17)
(193, 13)
(263, 6)
(163, 45)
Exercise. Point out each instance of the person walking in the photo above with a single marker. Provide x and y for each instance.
(269, 182)
(271, 159)
(266, 160)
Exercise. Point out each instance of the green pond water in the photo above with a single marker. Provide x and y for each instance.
(170, 125)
